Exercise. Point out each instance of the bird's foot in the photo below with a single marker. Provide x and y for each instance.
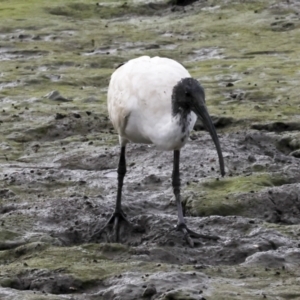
(114, 222)
(188, 234)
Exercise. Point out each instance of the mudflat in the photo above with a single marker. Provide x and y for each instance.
(59, 153)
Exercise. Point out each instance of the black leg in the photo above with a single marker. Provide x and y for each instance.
(118, 214)
(176, 188)
(121, 175)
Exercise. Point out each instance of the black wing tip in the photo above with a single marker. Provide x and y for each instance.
(120, 65)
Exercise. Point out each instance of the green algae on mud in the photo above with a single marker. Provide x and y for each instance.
(107, 10)
(250, 283)
(223, 196)
(88, 263)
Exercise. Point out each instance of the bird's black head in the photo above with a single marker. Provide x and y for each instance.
(188, 95)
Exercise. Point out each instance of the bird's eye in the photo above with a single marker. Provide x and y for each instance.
(187, 93)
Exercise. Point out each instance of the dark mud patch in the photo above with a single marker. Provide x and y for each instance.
(270, 52)
(218, 121)
(9, 54)
(44, 281)
(62, 126)
(277, 126)
(284, 26)
(107, 11)
(182, 2)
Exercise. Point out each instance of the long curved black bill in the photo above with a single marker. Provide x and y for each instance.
(202, 112)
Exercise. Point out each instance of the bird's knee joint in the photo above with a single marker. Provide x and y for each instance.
(176, 183)
(122, 171)
(176, 189)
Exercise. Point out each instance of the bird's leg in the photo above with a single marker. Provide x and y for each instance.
(188, 233)
(176, 189)
(118, 214)
(121, 174)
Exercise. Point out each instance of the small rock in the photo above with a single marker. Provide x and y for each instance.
(149, 291)
(76, 115)
(295, 153)
(192, 260)
(198, 267)
(251, 158)
(59, 116)
(287, 25)
(152, 46)
(56, 96)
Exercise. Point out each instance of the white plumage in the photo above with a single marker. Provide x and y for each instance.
(155, 100)
(139, 102)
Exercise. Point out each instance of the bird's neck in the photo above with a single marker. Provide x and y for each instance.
(181, 113)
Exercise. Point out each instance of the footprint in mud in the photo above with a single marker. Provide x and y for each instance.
(277, 126)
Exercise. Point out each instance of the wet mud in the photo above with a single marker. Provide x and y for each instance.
(59, 154)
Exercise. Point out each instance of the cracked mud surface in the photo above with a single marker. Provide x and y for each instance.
(59, 153)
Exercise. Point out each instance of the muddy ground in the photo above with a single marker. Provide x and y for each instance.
(59, 153)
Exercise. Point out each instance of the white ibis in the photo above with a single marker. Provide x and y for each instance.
(155, 101)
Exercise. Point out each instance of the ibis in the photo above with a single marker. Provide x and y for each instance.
(156, 101)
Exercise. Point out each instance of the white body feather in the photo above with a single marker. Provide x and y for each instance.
(140, 102)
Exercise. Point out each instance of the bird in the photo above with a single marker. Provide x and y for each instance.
(154, 100)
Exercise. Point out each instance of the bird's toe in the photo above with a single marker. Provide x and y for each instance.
(188, 234)
(112, 227)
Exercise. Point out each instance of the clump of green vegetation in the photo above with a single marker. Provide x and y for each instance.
(253, 281)
(106, 11)
(7, 235)
(87, 263)
(222, 197)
